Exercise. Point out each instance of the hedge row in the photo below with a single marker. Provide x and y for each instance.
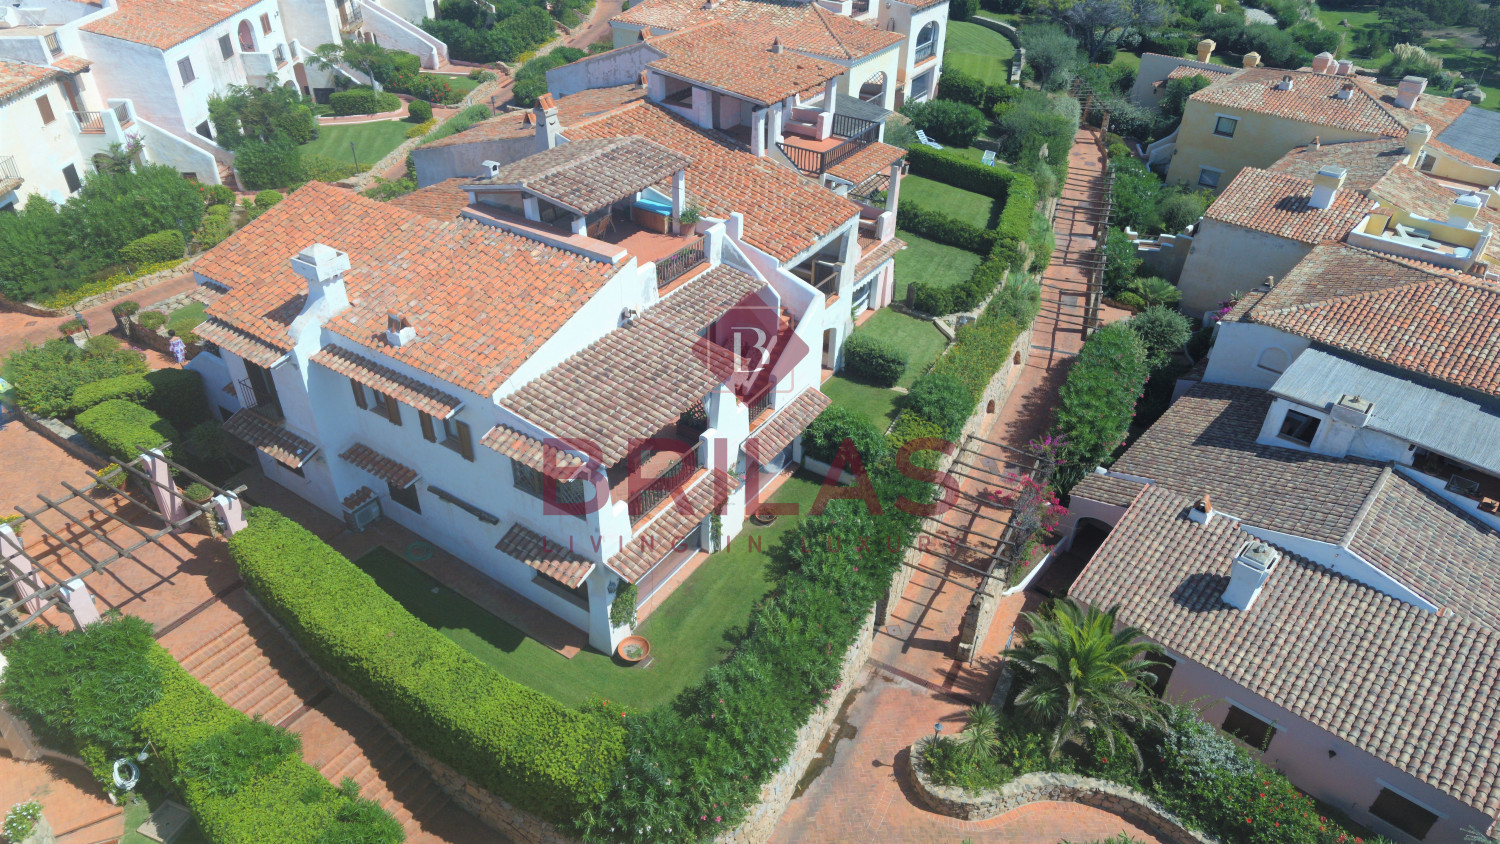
(174, 394)
(123, 429)
(1097, 401)
(826, 434)
(1001, 245)
(525, 747)
(168, 245)
(362, 101)
(951, 231)
(947, 167)
(873, 359)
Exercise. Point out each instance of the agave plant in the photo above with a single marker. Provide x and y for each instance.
(1083, 673)
(981, 736)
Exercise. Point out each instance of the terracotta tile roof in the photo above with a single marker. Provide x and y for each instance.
(873, 160)
(482, 300)
(629, 384)
(571, 109)
(544, 555)
(1414, 192)
(1365, 162)
(874, 254)
(393, 472)
(17, 78)
(705, 298)
(528, 450)
(445, 200)
(376, 376)
(358, 497)
(785, 214)
(1311, 100)
(1459, 155)
(672, 524)
(275, 440)
(590, 173)
(1417, 690)
(1184, 71)
(165, 23)
(716, 55)
(1276, 204)
(1438, 324)
(788, 423)
(1108, 490)
(1441, 554)
(805, 27)
(71, 64)
(1206, 443)
(242, 343)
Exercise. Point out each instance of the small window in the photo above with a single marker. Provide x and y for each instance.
(1248, 728)
(1162, 673)
(205, 130)
(406, 496)
(1403, 814)
(185, 70)
(70, 175)
(44, 105)
(456, 437)
(529, 481)
(1224, 126)
(265, 24)
(386, 406)
(1299, 427)
(226, 46)
(1208, 178)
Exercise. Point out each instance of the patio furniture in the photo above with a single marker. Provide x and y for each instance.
(926, 141)
(988, 159)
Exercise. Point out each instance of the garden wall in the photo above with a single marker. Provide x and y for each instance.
(134, 286)
(761, 819)
(1049, 787)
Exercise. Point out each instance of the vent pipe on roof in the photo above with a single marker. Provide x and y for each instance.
(1206, 49)
(776, 47)
(1326, 186)
(1202, 512)
(1417, 138)
(1409, 91)
(399, 330)
(1322, 62)
(1285, 84)
(547, 125)
(1352, 411)
(1248, 573)
(1345, 91)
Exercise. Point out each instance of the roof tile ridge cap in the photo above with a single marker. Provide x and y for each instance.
(823, 19)
(1365, 506)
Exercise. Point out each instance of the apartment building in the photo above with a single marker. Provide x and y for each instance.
(42, 103)
(542, 370)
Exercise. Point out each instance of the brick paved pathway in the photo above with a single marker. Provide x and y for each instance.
(913, 679)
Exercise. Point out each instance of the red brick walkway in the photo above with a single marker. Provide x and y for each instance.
(913, 679)
(18, 329)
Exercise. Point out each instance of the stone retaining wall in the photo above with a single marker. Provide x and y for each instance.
(1049, 787)
(762, 818)
(367, 179)
(64, 437)
(123, 291)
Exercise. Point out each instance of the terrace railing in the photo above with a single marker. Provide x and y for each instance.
(122, 114)
(678, 264)
(8, 168)
(90, 121)
(856, 132)
(926, 50)
(657, 490)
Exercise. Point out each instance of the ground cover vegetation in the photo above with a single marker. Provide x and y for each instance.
(508, 31)
(108, 691)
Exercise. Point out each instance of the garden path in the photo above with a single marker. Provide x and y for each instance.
(18, 329)
(913, 680)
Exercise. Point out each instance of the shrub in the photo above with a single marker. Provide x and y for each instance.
(218, 195)
(151, 320)
(979, 351)
(298, 124)
(228, 761)
(1120, 262)
(874, 360)
(531, 78)
(126, 308)
(220, 212)
(953, 169)
(418, 111)
(514, 741)
(321, 168)
(949, 764)
(932, 299)
(1050, 51)
(1097, 401)
(175, 394)
(276, 163)
(960, 87)
(267, 198)
(459, 122)
(20, 820)
(947, 121)
(166, 245)
(422, 128)
(622, 608)
(935, 225)
(123, 430)
(71, 327)
(45, 377)
(1162, 331)
(826, 434)
(940, 398)
(1155, 291)
(1174, 98)
(362, 100)
(216, 227)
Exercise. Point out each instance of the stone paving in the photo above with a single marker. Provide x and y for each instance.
(913, 680)
(71, 801)
(18, 329)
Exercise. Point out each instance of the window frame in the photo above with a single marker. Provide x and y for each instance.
(397, 494)
(226, 47)
(185, 70)
(1385, 791)
(1234, 732)
(532, 482)
(1218, 177)
(45, 109)
(1162, 672)
(265, 24)
(1303, 420)
(71, 177)
(1219, 122)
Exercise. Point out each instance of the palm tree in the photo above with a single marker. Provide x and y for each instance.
(1081, 674)
(981, 736)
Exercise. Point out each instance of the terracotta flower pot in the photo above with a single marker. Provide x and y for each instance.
(634, 648)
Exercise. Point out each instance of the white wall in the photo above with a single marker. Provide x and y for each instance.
(312, 22)
(887, 61)
(394, 30)
(909, 21)
(620, 66)
(1240, 354)
(411, 10)
(46, 149)
(1321, 764)
(462, 161)
(1227, 258)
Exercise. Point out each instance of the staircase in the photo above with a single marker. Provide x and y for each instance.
(232, 648)
(226, 176)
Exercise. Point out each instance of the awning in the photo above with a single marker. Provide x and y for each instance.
(396, 474)
(788, 423)
(275, 440)
(548, 557)
(669, 529)
(240, 343)
(530, 451)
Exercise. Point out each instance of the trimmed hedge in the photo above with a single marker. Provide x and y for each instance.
(167, 245)
(123, 429)
(362, 101)
(1001, 245)
(826, 434)
(950, 168)
(942, 399)
(418, 111)
(175, 394)
(935, 225)
(874, 360)
(520, 744)
(1097, 401)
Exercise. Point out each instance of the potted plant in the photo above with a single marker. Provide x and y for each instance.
(74, 329)
(123, 311)
(24, 824)
(633, 649)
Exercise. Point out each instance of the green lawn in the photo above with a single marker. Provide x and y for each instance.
(461, 84)
(137, 813)
(186, 318)
(371, 140)
(934, 263)
(918, 338)
(877, 403)
(687, 633)
(978, 51)
(974, 208)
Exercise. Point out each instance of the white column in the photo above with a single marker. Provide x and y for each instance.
(168, 498)
(831, 95)
(580, 225)
(679, 199)
(758, 132)
(703, 107)
(533, 210)
(778, 115)
(893, 191)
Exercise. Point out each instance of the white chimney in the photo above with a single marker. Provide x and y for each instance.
(1202, 512)
(491, 168)
(324, 268)
(1344, 67)
(1326, 186)
(1352, 411)
(1322, 62)
(1409, 91)
(1285, 84)
(1418, 138)
(398, 330)
(547, 126)
(1345, 91)
(1251, 568)
(1206, 49)
(776, 46)
(1464, 210)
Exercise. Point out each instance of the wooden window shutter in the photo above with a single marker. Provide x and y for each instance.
(465, 442)
(393, 410)
(427, 431)
(359, 395)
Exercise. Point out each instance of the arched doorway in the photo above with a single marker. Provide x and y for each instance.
(247, 37)
(873, 89)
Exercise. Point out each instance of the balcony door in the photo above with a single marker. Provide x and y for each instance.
(262, 389)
